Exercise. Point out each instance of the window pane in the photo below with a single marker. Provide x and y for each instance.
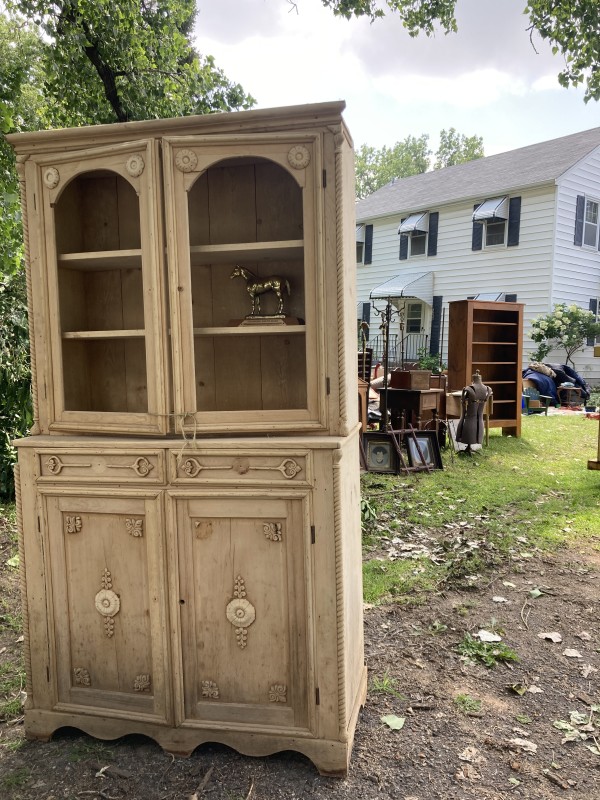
(589, 234)
(359, 252)
(591, 212)
(494, 233)
(417, 244)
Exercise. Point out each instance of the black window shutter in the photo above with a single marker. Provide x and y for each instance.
(477, 240)
(594, 308)
(403, 246)
(436, 325)
(434, 217)
(579, 212)
(510, 298)
(514, 221)
(368, 257)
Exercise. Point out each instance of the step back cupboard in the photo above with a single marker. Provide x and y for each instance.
(189, 497)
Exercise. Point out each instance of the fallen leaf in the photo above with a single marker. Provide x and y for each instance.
(524, 744)
(523, 719)
(499, 599)
(488, 636)
(577, 718)
(535, 593)
(594, 749)
(584, 635)
(20, 639)
(514, 781)
(553, 636)
(587, 669)
(509, 584)
(14, 561)
(471, 754)
(570, 653)
(518, 688)
(535, 690)
(394, 722)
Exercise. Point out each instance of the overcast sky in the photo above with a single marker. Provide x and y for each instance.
(487, 80)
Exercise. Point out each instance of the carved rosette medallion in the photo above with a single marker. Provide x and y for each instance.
(142, 683)
(82, 677)
(299, 156)
(51, 177)
(186, 160)
(107, 603)
(135, 527)
(135, 165)
(240, 612)
(73, 524)
(273, 531)
(209, 690)
(278, 693)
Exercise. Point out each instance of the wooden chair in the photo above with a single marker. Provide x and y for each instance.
(536, 403)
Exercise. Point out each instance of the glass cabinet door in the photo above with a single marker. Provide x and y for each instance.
(244, 266)
(105, 288)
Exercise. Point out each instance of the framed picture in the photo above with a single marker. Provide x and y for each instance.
(429, 446)
(380, 452)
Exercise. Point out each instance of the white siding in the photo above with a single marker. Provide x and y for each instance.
(577, 269)
(524, 270)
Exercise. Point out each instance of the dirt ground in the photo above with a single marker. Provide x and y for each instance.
(469, 732)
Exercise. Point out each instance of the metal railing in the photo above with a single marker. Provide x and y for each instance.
(409, 348)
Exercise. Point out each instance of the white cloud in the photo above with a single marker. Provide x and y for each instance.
(470, 90)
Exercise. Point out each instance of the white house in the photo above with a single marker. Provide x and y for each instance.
(522, 225)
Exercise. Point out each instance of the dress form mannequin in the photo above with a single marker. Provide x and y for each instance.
(470, 427)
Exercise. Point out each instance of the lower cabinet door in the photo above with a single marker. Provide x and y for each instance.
(106, 563)
(244, 614)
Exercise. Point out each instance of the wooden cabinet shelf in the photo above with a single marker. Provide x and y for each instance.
(252, 330)
(248, 251)
(487, 336)
(103, 259)
(126, 334)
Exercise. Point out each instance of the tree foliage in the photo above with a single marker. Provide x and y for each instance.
(570, 26)
(376, 167)
(567, 327)
(128, 59)
(456, 148)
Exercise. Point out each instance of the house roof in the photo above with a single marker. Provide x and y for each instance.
(486, 177)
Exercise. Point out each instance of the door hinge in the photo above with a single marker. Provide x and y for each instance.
(313, 535)
(324, 178)
(317, 697)
(328, 385)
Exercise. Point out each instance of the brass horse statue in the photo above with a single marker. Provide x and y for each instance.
(255, 287)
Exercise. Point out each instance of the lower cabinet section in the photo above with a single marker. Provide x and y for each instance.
(225, 608)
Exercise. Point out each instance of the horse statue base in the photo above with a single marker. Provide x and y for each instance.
(274, 319)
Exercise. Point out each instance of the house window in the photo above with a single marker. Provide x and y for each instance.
(590, 224)
(414, 317)
(492, 215)
(360, 243)
(414, 235)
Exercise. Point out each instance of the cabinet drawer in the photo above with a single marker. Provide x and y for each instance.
(115, 466)
(266, 468)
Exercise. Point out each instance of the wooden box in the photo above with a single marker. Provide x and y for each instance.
(410, 379)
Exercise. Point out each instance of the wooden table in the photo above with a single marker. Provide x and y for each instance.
(569, 395)
(413, 402)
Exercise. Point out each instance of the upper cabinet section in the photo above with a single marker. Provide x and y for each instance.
(193, 275)
(242, 241)
(101, 273)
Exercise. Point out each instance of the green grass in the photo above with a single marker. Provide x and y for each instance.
(467, 704)
(386, 684)
(12, 681)
(536, 488)
(488, 653)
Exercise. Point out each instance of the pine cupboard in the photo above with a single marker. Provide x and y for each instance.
(189, 498)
